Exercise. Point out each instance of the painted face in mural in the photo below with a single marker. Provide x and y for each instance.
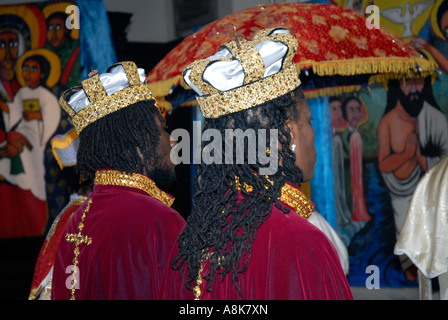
(32, 73)
(443, 23)
(357, 5)
(335, 112)
(411, 97)
(56, 32)
(353, 112)
(9, 50)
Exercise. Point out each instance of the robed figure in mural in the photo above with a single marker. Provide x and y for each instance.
(31, 119)
(63, 41)
(413, 137)
(410, 138)
(343, 213)
(32, 76)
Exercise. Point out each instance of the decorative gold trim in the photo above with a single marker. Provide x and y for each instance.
(296, 199)
(94, 88)
(250, 95)
(256, 89)
(135, 180)
(289, 40)
(197, 68)
(65, 105)
(197, 288)
(292, 196)
(102, 104)
(249, 58)
(110, 104)
(130, 68)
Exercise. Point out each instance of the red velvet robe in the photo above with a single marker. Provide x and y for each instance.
(47, 254)
(291, 260)
(131, 236)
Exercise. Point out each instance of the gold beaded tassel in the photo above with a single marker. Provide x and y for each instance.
(78, 239)
(197, 290)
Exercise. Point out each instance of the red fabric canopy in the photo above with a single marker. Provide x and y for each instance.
(332, 41)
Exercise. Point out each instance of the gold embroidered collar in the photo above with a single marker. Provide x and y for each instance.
(135, 180)
(292, 196)
(295, 198)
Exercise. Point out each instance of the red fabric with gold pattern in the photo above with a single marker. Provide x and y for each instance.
(332, 40)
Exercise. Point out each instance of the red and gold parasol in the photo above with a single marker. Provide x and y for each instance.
(333, 41)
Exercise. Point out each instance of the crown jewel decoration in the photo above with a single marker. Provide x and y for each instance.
(122, 85)
(244, 74)
(92, 72)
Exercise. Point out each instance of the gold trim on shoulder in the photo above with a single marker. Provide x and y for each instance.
(295, 198)
(292, 196)
(135, 180)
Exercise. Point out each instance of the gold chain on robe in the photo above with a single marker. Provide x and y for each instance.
(113, 178)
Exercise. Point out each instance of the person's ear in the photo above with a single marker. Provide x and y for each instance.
(289, 128)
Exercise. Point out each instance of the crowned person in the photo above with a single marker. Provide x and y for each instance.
(248, 236)
(116, 245)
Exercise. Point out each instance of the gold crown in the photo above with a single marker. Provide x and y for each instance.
(102, 104)
(256, 88)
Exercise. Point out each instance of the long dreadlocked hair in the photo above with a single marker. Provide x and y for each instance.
(113, 141)
(217, 223)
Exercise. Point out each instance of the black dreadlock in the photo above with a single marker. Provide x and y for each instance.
(112, 141)
(216, 223)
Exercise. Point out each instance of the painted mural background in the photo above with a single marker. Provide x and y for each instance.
(40, 59)
(42, 53)
(384, 138)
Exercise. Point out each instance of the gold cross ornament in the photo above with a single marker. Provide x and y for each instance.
(78, 239)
